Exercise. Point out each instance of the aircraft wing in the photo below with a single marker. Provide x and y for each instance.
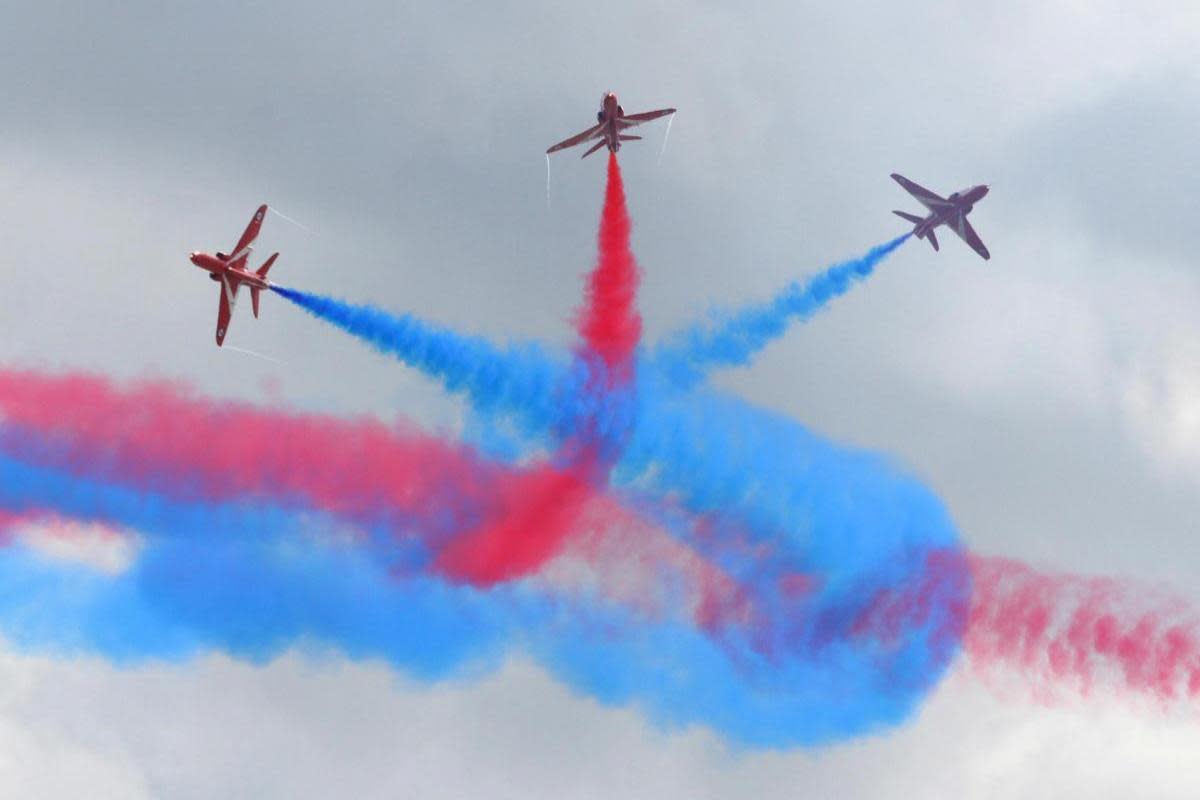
(630, 120)
(930, 200)
(578, 138)
(968, 235)
(242, 249)
(225, 308)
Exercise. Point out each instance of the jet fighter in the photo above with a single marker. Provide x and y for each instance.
(610, 121)
(951, 211)
(231, 272)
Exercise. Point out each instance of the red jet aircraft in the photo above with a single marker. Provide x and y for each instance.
(231, 272)
(611, 120)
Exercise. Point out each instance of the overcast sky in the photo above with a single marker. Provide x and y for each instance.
(1050, 396)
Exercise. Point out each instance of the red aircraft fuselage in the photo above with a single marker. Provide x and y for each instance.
(218, 265)
(610, 111)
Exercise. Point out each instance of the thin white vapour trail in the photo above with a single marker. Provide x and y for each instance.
(281, 215)
(547, 180)
(666, 136)
(252, 353)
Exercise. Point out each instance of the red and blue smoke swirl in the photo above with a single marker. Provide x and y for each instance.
(649, 540)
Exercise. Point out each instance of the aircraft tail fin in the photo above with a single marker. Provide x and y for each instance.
(914, 219)
(262, 271)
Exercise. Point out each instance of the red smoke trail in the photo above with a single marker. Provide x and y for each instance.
(547, 510)
(161, 438)
(610, 325)
(537, 513)
(1084, 633)
(625, 558)
(9, 520)
(936, 596)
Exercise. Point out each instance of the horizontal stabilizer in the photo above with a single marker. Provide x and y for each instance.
(254, 300)
(595, 147)
(932, 238)
(913, 218)
(624, 138)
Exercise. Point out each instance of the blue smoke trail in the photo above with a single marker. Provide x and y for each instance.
(194, 589)
(256, 601)
(231, 577)
(687, 357)
(27, 488)
(544, 396)
(247, 578)
(253, 600)
(519, 378)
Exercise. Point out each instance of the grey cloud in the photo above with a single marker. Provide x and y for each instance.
(1122, 164)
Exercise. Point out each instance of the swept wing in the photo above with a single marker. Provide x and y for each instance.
(242, 249)
(229, 287)
(931, 200)
(578, 138)
(631, 120)
(965, 232)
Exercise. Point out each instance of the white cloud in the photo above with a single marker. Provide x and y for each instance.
(297, 728)
(107, 550)
(1162, 407)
